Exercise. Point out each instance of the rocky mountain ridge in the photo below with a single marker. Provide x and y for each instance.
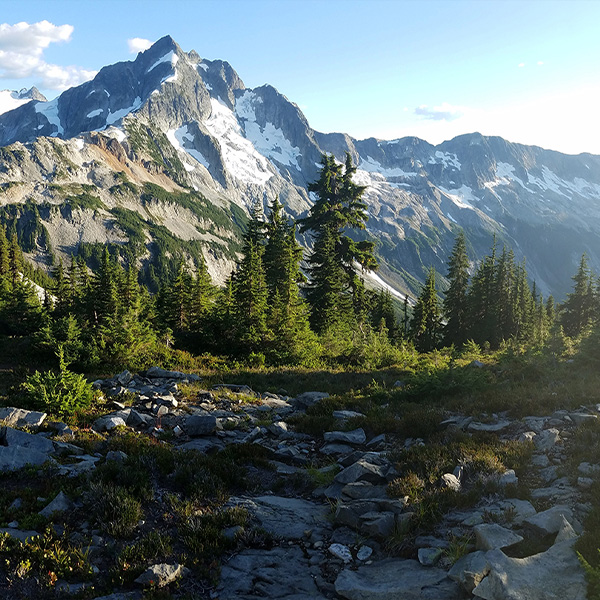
(186, 124)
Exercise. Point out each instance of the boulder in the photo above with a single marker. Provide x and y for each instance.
(357, 436)
(160, 575)
(377, 524)
(395, 579)
(19, 417)
(309, 398)
(470, 569)
(196, 425)
(362, 470)
(549, 521)
(15, 438)
(16, 457)
(552, 575)
(489, 536)
(429, 556)
(158, 373)
(451, 481)
(108, 423)
(340, 551)
(546, 440)
(60, 504)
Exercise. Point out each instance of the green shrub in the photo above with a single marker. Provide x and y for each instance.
(61, 394)
(116, 510)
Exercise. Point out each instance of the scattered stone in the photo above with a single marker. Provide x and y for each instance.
(160, 575)
(588, 470)
(554, 574)
(378, 524)
(346, 414)
(490, 427)
(451, 481)
(60, 504)
(377, 440)
(108, 423)
(429, 556)
(580, 418)
(340, 551)
(197, 425)
(392, 579)
(469, 570)
(489, 536)
(547, 439)
(19, 417)
(549, 521)
(335, 449)
(357, 436)
(477, 364)
(158, 373)
(364, 553)
(16, 457)
(309, 398)
(362, 470)
(287, 518)
(509, 477)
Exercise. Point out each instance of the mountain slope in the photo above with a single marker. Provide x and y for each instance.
(190, 126)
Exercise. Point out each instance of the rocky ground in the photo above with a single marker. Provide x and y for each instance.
(325, 516)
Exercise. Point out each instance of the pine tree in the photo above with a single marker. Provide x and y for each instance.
(334, 287)
(60, 290)
(105, 299)
(481, 299)
(4, 260)
(202, 293)
(426, 321)
(576, 312)
(250, 288)
(383, 313)
(456, 296)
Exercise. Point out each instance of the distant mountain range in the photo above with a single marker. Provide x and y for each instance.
(73, 167)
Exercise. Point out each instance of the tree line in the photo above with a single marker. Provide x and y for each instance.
(279, 307)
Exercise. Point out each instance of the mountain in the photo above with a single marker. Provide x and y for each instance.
(165, 153)
(9, 99)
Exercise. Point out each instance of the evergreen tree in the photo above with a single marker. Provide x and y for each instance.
(482, 300)
(456, 296)
(4, 253)
(426, 321)
(104, 287)
(60, 290)
(334, 289)
(577, 311)
(383, 314)
(250, 288)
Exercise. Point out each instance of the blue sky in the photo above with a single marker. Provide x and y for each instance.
(527, 71)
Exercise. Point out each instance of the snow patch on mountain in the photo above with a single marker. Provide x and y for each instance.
(10, 100)
(113, 117)
(445, 158)
(50, 111)
(169, 57)
(94, 113)
(269, 140)
(372, 166)
(463, 197)
(239, 155)
(178, 137)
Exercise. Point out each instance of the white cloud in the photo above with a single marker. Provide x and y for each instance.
(445, 112)
(138, 45)
(21, 55)
(521, 65)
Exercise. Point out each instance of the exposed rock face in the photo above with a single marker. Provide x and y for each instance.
(182, 122)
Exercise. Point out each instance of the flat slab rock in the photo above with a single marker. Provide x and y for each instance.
(19, 417)
(287, 518)
(396, 579)
(552, 575)
(279, 573)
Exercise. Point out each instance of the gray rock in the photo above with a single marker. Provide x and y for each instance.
(489, 536)
(279, 429)
(357, 436)
(395, 579)
(160, 574)
(588, 470)
(552, 575)
(124, 378)
(580, 418)
(335, 449)
(364, 490)
(16, 457)
(429, 556)
(205, 445)
(18, 534)
(158, 373)
(450, 481)
(287, 518)
(490, 427)
(364, 552)
(278, 573)
(340, 551)
(307, 399)
(376, 441)
(60, 504)
(108, 423)
(196, 425)
(343, 415)
(470, 569)
(477, 364)
(116, 455)
(547, 439)
(509, 477)
(14, 437)
(519, 510)
(19, 417)
(377, 524)
(585, 483)
(138, 419)
(540, 460)
(549, 521)
(362, 470)
(349, 513)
